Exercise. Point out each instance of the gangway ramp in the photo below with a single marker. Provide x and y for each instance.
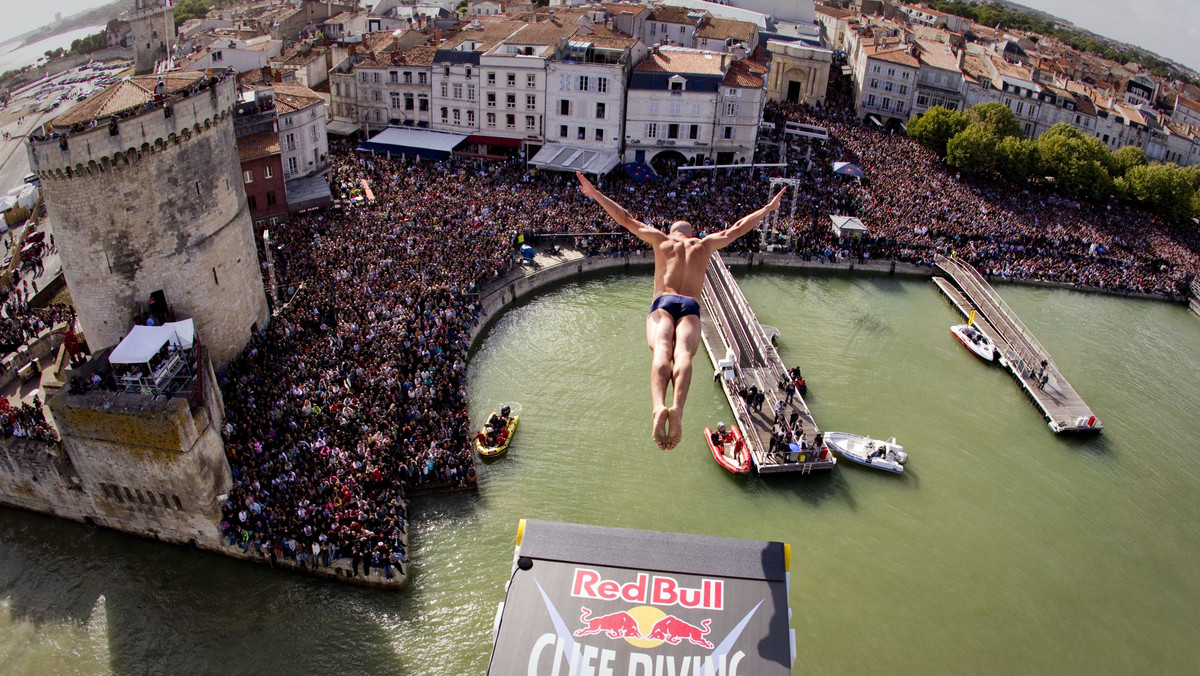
(1021, 353)
(736, 341)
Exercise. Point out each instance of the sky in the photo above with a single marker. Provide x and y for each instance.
(1169, 27)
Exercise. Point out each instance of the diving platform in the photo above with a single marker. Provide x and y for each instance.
(1020, 352)
(743, 355)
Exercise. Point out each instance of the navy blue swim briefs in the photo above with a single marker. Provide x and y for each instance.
(677, 306)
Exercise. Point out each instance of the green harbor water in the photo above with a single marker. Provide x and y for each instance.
(1003, 549)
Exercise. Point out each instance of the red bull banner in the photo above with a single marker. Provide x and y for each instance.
(589, 600)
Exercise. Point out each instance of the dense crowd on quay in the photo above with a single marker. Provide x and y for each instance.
(355, 395)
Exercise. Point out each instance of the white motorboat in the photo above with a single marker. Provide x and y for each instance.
(885, 455)
(976, 341)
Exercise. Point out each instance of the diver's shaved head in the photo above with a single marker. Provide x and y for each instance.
(684, 228)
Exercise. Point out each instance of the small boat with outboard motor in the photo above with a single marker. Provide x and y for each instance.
(885, 455)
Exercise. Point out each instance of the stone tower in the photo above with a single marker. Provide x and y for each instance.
(153, 24)
(145, 192)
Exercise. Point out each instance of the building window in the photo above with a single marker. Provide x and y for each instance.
(395, 96)
(270, 198)
(602, 85)
(491, 119)
(870, 99)
(731, 109)
(531, 102)
(694, 132)
(903, 89)
(445, 90)
(408, 101)
(676, 108)
(248, 176)
(423, 103)
(531, 81)
(729, 133)
(251, 202)
(530, 122)
(887, 103)
(291, 141)
(874, 83)
(512, 79)
(267, 173)
(510, 121)
(599, 111)
(292, 166)
(422, 78)
(375, 96)
(564, 82)
(922, 99)
(491, 99)
(562, 131)
(583, 83)
(377, 78)
(470, 92)
(393, 77)
(445, 114)
(891, 72)
(407, 77)
(899, 106)
(457, 116)
(216, 56)
(457, 90)
(446, 70)
(676, 86)
(654, 107)
(672, 130)
(887, 86)
(564, 107)
(510, 101)
(468, 72)
(471, 117)
(581, 133)
(651, 130)
(491, 78)
(599, 134)
(904, 76)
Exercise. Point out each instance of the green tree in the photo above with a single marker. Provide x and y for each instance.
(190, 9)
(1075, 161)
(1016, 158)
(972, 151)
(935, 127)
(996, 118)
(1164, 188)
(1124, 159)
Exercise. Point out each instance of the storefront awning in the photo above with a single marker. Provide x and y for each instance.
(559, 157)
(430, 145)
(307, 193)
(342, 128)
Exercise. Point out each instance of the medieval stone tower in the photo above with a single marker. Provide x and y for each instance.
(153, 24)
(145, 192)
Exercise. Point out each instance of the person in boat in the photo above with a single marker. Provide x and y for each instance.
(718, 435)
(673, 325)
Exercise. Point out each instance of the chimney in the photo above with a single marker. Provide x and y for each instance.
(962, 57)
(278, 76)
(266, 74)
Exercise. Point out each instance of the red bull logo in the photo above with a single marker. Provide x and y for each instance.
(645, 627)
(659, 590)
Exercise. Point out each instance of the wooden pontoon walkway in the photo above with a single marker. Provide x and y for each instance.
(1020, 352)
(735, 340)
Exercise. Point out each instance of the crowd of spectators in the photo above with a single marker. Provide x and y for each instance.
(355, 395)
(28, 421)
(21, 324)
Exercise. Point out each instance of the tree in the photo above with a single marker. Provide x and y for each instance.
(1075, 161)
(1124, 159)
(996, 118)
(190, 9)
(1016, 158)
(1164, 188)
(972, 151)
(935, 127)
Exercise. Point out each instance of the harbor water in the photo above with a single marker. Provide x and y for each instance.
(1002, 549)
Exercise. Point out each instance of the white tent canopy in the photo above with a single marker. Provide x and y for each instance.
(143, 342)
(848, 225)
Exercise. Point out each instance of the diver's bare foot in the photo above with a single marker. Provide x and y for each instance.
(660, 427)
(675, 416)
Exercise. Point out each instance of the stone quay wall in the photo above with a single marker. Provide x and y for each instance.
(157, 206)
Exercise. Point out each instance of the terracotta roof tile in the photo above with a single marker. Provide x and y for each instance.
(125, 95)
(743, 74)
(681, 60)
(672, 14)
(290, 97)
(257, 145)
(719, 29)
(896, 55)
